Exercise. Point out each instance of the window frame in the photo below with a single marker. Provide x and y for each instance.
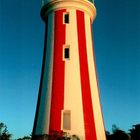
(66, 124)
(64, 18)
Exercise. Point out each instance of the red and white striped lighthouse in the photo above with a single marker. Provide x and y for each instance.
(68, 96)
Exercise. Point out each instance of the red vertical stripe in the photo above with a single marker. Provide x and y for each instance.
(90, 132)
(57, 101)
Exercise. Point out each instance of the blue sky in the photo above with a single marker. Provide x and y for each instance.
(117, 49)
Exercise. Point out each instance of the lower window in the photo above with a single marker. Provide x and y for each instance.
(66, 119)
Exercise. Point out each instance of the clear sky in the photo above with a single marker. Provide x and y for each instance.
(117, 49)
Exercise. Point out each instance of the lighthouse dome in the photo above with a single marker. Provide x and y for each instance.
(47, 1)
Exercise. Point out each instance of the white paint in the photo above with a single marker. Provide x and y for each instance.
(72, 89)
(83, 5)
(50, 51)
(93, 83)
(42, 126)
(72, 85)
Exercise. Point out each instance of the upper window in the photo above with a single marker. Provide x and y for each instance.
(66, 53)
(66, 18)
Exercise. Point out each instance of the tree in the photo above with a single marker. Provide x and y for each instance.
(135, 132)
(117, 134)
(120, 135)
(56, 135)
(25, 138)
(4, 134)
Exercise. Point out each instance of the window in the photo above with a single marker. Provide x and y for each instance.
(66, 52)
(67, 55)
(66, 120)
(66, 18)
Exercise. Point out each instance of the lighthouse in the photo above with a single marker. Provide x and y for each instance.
(68, 101)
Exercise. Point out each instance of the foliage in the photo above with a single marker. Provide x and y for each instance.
(56, 135)
(135, 132)
(4, 134)
(117, 134)
(25, 138)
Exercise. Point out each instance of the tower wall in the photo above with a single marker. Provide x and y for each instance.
(68, 97)
(42, 118)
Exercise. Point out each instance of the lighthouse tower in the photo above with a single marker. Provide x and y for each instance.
(68, 98)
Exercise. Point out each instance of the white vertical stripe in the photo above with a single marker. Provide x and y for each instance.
(93, 83)
(45, 102)
(50, 51)
(72, 89)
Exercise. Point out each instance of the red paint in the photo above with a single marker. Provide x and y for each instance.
(90, 132)
(57, 101)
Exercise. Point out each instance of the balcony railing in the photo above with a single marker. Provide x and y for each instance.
(46, 1)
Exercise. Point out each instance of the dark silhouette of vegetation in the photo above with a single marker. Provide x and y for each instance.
(116, 134)
(56, 135)
(4, 134)
(135, 132)
(25, 138)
